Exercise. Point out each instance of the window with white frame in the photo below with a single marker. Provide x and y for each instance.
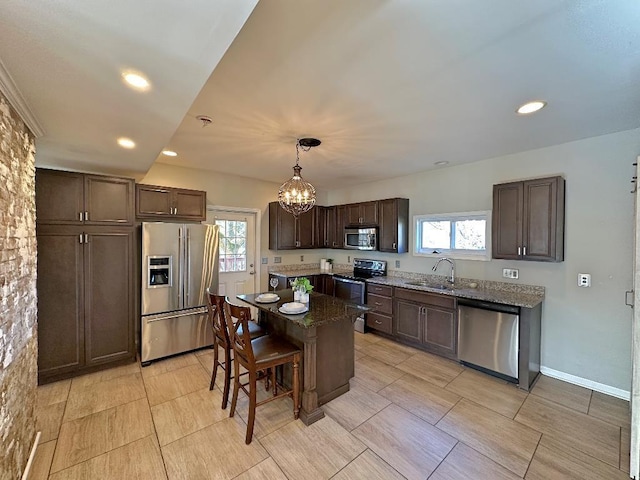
(456, 235)
(233, 245)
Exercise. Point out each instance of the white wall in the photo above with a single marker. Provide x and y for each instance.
(586, 331)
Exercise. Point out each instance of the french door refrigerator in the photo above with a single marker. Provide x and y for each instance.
(179, 263)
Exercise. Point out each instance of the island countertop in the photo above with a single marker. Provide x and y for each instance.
(323, 309)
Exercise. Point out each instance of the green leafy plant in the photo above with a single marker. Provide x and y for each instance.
(302, 282)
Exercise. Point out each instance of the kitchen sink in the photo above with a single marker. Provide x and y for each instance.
(439, 286)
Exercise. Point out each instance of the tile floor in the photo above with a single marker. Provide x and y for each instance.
(408, 415)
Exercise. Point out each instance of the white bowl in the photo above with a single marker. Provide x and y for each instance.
(293, 307)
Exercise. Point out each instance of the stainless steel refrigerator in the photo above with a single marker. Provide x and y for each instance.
(179, 262)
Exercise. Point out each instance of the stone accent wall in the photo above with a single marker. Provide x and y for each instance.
(18, 308)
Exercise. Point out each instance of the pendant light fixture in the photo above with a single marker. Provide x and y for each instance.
(295, 195)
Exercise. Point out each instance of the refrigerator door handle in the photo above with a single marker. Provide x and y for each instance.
(188, 268)
(180, 271)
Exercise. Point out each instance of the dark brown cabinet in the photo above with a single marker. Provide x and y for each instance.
(364, 213)
(68, 198)
(393, 231)
(528, 220)
(426, 320)
(380, 298)
(167, 203)
(334, 226)
(287, 232)
(86, 302)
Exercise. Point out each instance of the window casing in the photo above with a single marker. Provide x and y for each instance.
(465, 235)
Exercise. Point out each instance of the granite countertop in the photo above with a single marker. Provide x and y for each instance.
(527, 296)
(307, 271)
(323, 309)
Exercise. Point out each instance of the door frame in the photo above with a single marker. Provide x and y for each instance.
(635, 339)
(255, 212)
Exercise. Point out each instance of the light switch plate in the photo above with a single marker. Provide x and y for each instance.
(397, 263)
(265, 260)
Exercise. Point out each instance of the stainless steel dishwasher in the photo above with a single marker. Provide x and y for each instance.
(488, 337)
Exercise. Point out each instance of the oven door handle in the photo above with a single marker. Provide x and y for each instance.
(349, 280)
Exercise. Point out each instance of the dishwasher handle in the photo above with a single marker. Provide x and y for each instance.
(495, 307)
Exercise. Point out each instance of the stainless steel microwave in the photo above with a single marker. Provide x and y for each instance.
(361, 238)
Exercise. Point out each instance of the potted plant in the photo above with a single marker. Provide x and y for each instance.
(302, 282)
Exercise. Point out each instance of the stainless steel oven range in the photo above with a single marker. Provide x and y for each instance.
(352, 286)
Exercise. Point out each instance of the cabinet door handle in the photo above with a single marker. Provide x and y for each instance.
(86, 238)
(81, 216)
(519, 251)
(394, 245)
(86, 216)
(81, 241)
(175, 211)
(524, 251)
(377, 304)
(378, 322)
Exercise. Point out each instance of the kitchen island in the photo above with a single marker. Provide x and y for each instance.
(326, 337)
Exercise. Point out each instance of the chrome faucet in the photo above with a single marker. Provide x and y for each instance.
(452, 277)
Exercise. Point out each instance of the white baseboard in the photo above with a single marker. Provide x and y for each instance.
(27, 469)
(583, 382)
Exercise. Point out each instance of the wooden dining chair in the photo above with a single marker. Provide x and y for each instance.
(263, 353)
(221, 339)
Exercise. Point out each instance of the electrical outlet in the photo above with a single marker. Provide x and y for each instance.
(584, 279)
(397, 263)
(265, 260)
(510, 273)
(348, 259)
(302, 258)
(277, 259)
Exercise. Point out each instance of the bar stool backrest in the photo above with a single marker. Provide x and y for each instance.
(236, 317)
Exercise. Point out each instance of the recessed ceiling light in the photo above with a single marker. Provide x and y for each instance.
(126, 142)
(442, 162)
(169, 153)
(531, 107)
(136, 80)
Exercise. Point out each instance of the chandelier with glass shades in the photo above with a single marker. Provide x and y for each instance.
(297, 196)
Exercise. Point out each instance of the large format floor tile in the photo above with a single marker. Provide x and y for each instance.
(501, 439)
(164, 365)
(138, 460)
(610, 409)
(556, 460)
(269, 417)
(53, 392)
(217, 451)
(386, 352)
(432, 368)
(410, 445)
(368, 466)
(95, 434)
(175, 383)
(42, 461)
(187, 414)
(374, 374)
(572, 396)
(49, 419)
(464, 463)
(422, 398)
(105, 375)
(265, 470)
(356, 406)
(317, 451)
(587, 434)
(489, 392)
(85, 400)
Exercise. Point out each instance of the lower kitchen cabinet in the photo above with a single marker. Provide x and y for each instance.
(426, 320)
(380, 298)
(86, 299)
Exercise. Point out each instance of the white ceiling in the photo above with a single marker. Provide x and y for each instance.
(389, 87)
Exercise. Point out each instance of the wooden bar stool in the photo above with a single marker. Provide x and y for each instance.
(215, 304)
(263, 353)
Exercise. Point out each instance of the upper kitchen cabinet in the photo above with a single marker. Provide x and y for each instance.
(393, 231)
(287, 232)
(528, 220)
(166, 203)
(362, 214)
(68, 198)
(334, 226)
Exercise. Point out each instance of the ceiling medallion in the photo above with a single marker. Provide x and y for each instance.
(297, 196)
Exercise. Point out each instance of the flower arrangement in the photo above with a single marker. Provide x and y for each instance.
(302, 282)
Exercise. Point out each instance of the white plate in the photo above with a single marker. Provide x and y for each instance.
(268, 298)
(293, 308)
